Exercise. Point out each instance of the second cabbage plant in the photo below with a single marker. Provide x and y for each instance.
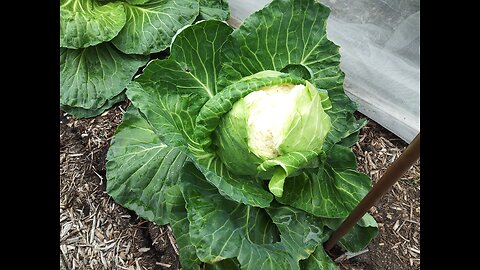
(241, 140)
(104, 42)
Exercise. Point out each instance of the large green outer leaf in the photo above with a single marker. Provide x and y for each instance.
(227, 264)
(197, 50)
(285, 32)
(85, 23)
(171, 92)
(150, 27)
(170, 112)
(245, 190)
(79, 112)
(180, 224)
(214, 10)
(359, 236)
(140, 168)
(343, 121)
(319, 260)
(332, 190)
(220, 228)
(171, 115)
(91, 76)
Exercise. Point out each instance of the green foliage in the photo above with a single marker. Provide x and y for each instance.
(104, 43)
(174, 158)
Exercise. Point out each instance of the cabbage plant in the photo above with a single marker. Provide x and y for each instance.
(104, 43)
(241, 141)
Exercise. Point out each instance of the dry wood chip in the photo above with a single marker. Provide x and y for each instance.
(414, 250)
(395, 226)
(172, 240)
(137, 264)
(163, 264)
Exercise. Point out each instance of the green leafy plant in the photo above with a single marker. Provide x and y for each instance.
(241, 140)
(104, 43)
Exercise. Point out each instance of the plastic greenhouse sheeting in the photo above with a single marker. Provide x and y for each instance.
(380, 47)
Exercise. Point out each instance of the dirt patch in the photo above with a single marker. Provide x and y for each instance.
(97, 233)
(164, 246)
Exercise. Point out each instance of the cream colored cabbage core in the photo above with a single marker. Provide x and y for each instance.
(270, 110)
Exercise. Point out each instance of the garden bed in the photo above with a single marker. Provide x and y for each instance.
(97, 233)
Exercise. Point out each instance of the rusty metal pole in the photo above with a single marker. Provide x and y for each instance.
(391, 176)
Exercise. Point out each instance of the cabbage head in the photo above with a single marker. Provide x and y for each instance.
(277, 124)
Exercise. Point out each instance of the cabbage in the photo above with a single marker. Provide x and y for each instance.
(241, 140)
(104, 43)
(272, 123)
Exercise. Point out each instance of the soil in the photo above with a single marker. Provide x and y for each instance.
(97, 233)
